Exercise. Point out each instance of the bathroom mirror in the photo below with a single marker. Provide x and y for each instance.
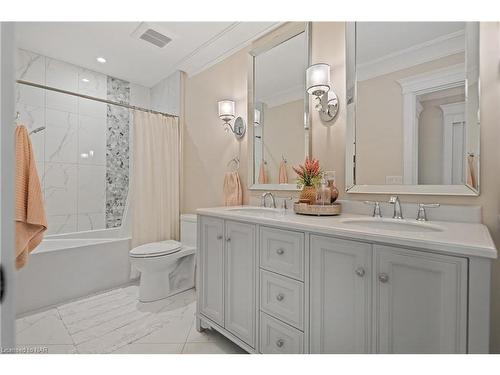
(278, 113)
(412, 108)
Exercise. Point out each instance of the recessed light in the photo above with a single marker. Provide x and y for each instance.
(102, 60)
(85, 80)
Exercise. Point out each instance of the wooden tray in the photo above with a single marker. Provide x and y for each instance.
(317, 210)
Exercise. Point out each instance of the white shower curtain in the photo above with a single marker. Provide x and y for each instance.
(155, 178)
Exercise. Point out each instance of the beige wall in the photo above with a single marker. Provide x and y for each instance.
(283, 135)
(207, 148)
(379, 119)
(430, 140)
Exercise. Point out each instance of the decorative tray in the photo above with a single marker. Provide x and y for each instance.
(317, 210)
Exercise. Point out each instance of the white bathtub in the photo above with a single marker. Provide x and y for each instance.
(63, 269)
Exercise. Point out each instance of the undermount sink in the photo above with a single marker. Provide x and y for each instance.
(394, 225)
(254, 210)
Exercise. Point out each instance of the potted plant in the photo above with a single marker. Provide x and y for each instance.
(308, 176)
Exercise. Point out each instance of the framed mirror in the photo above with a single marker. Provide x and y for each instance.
(413, 108)
(278, 107)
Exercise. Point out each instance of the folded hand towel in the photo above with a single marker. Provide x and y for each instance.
(233, 194)
(262, 173)
(470, 171)
(283, 179)
(29, 211)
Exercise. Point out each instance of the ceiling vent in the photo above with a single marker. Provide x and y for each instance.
(150, 34)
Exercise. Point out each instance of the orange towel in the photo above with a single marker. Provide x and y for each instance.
(233, 193)
(30, 213)
(471, 175)
(262, 173)
(283, 175)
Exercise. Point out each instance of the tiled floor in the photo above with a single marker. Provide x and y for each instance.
(115, 322)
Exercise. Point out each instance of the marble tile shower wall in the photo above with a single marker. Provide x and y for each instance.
(72, 152)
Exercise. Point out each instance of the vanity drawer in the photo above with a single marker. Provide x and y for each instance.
(282, 251)
(279, 338)
(282, 298)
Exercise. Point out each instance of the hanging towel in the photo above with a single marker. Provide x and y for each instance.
(262, 173)
(471, 175)
(233, 194)
(283, 175)
(29, 211)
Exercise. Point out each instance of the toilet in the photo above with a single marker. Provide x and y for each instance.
(166, 267)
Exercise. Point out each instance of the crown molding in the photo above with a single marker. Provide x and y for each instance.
(430, 50)
(190, 64)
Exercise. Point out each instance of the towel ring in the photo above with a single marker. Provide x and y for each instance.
(236, 162)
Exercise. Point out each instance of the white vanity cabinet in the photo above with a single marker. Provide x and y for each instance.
(291, 287)
(227, 262)
(417, 300)
(420, 301)
(341, 290)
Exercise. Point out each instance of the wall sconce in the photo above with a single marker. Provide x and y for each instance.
(318, 85)
(256, 117)
(226, 114)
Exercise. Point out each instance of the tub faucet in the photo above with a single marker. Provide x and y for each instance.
(263, 199)
(398, 213)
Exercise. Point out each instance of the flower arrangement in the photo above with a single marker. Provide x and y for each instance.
(308, 174)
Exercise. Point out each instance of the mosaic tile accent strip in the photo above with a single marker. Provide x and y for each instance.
(117, 152)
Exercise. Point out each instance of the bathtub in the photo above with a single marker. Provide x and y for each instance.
(62, 269)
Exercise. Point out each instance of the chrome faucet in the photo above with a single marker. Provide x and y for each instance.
(263, 199)
(398, 213)
(377, 212)
(421, 214)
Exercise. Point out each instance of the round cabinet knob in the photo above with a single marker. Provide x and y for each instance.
(360, 271)
(383, 277)
(280, 343)
(219, 237)
(228, 239)
(280, 251)
(280, 297)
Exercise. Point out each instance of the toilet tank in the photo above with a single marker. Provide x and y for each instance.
(188, 229)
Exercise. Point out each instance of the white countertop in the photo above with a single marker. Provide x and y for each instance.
(462, 239)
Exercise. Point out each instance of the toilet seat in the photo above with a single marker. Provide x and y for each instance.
(156, 249)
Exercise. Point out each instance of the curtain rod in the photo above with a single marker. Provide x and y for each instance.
(93, 98)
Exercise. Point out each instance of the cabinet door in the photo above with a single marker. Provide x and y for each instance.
(420, 302)
(240, 280)
(340, 293)
(211, 263)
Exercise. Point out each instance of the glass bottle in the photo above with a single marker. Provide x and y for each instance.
(323, 192)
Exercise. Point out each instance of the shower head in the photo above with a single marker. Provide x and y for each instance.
(34, 131)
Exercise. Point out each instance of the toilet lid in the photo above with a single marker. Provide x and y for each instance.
(155, 249)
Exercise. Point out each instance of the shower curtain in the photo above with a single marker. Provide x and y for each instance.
(155, 178)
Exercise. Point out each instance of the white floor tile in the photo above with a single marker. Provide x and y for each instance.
(47, 330)
(116, 322)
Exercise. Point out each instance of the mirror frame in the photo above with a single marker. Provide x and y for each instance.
(350, 136)
(267, 42)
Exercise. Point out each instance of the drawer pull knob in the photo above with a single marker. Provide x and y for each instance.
(280, 297)
(219, 237)
(280, 251)
(360, 271)
(280, 343)
(228, 239)
(383, 277)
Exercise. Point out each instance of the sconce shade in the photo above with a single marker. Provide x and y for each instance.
(226, 110)
(256, 117)
(318, 79)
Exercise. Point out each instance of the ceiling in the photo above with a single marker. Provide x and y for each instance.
(375, 40)
(195, 46)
